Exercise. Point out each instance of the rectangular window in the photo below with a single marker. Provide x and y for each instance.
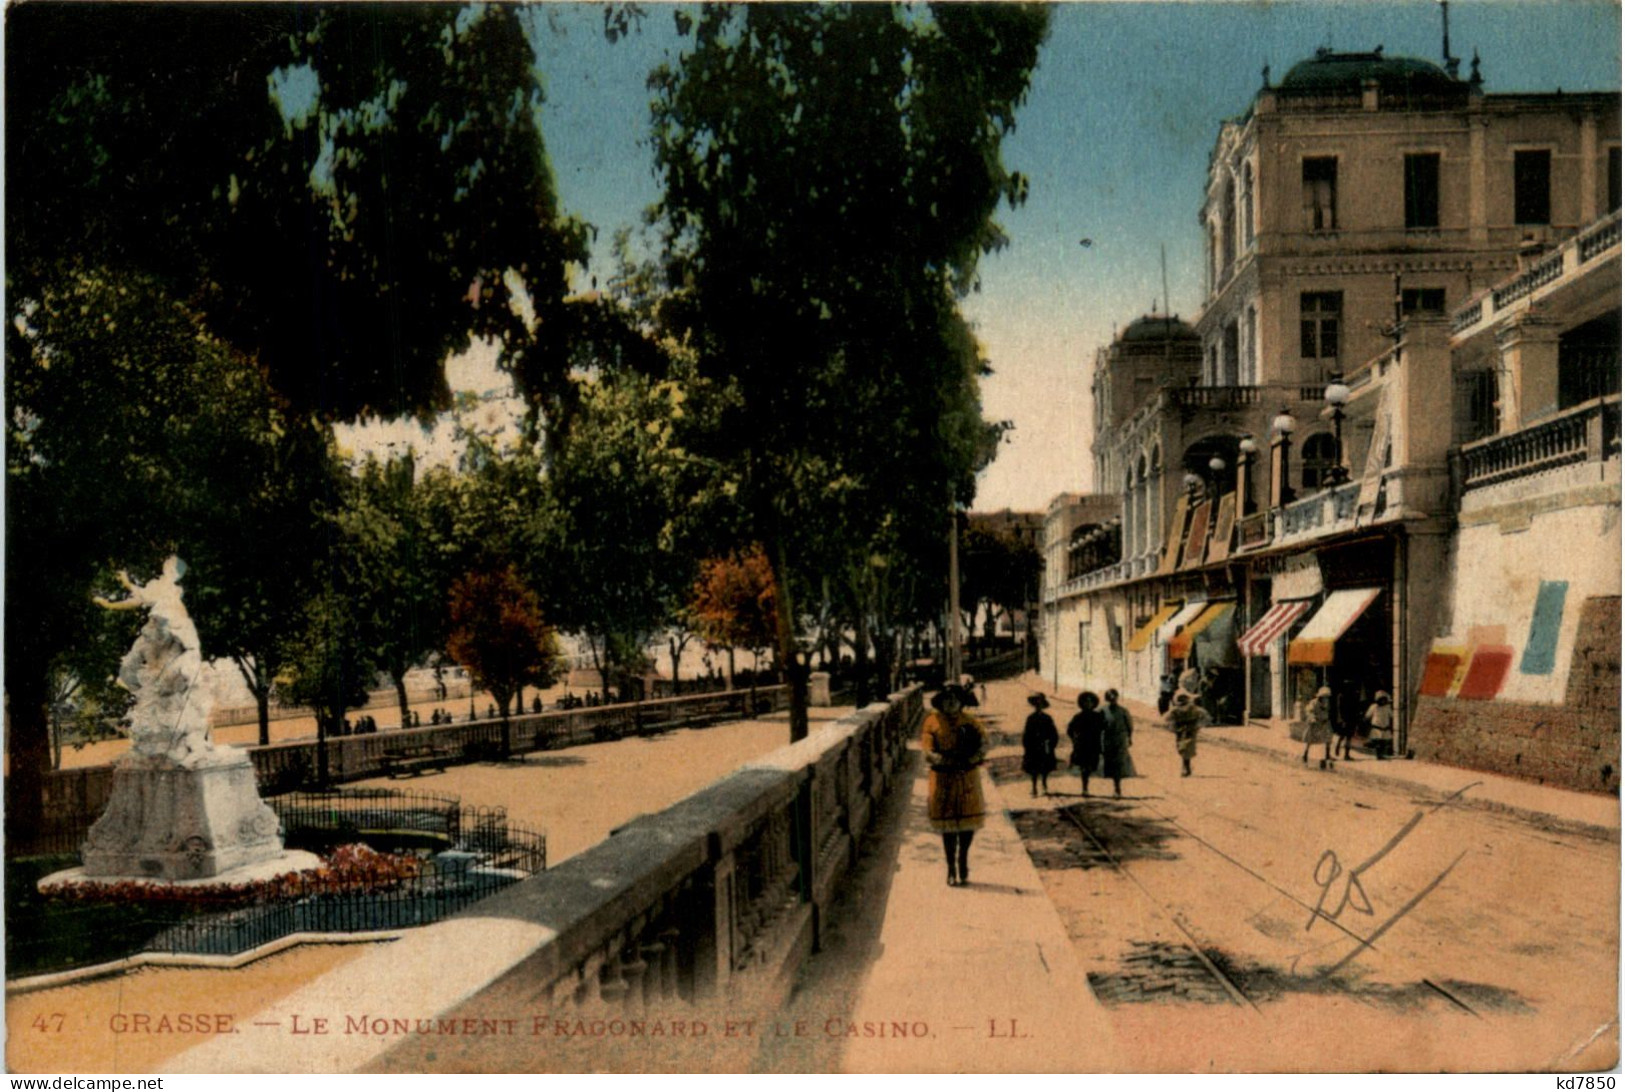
(1422, 301)
(1320, 313)
(1532, 187)
(1613, 178)
(1320, 193)
(1422, 190)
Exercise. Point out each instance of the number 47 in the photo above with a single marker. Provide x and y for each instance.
(53, 1022)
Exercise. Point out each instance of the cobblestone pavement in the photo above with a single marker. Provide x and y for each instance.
(1263, 916)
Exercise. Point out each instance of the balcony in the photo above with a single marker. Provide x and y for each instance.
(1325, 512)
(1229, 398)
(1587, 433)
(1595, 244)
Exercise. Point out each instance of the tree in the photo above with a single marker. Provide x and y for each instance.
(392, 525)
(830, 174)
(498, 634)
(624, 486)
(329, 663)
(732, 604)
(251, 562)
(346, 192)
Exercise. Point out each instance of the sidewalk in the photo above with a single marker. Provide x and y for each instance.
(1583, 813)
(980, 978)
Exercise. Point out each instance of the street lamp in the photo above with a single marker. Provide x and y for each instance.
(1285, 425)
(1193, 484)
(1249, 452)
(1216, 465)
(1337, 396)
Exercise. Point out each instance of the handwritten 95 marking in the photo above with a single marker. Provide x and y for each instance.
(1329, 870)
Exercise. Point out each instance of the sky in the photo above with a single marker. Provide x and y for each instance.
(1122, 111)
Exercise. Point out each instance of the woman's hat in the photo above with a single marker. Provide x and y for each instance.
(1038, 701)
(961, 694)
(1382, 695)
(1182, 697)
(1324, 692)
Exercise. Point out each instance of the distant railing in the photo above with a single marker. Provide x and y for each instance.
(1467, 316)
(1303, 515)
(1236, 397)
(1599, 238)
(73, 798)
(1568, 257)
(1590, 432)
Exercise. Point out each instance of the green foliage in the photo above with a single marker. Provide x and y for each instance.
(831, 173)
(346, 191)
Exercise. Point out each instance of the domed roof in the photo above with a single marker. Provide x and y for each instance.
(1159, 328)
(1328, 73)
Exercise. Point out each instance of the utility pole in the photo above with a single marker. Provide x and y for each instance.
(953, 668)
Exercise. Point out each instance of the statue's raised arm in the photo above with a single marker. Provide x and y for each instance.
(162, 668)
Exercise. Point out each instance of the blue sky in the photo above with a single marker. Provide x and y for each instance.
(1123, 109)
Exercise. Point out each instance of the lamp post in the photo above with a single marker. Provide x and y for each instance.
(1285, 425)
(1249, 452)
(1337, 396)
(1217, 465)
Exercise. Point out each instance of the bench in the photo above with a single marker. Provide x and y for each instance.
(414, 760)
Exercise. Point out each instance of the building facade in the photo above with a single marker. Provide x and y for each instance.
(1299, 504)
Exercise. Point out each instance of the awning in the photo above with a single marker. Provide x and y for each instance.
(1166, 631)
(1314, 645)
(1180, 647)
(1276, 621)
(1142, 636)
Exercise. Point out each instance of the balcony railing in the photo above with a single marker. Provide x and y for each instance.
(1587, 433)
(1236, 397)
(1566, 259)
(1253, 530)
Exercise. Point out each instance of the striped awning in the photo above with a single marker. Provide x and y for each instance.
(1180, 647)
(1142, 636)
(1276, 621)
(1315, 644)
(1166, 631)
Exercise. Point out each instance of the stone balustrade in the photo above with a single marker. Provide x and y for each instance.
(1586, 433)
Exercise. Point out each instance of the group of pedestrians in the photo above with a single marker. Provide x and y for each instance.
(1322, 725)
(1101, 740)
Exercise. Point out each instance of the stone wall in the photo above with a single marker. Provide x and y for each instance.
(1570, 747)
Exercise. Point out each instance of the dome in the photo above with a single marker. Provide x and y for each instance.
(1159, 328)
(1328, 73)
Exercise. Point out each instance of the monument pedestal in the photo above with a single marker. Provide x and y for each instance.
(182, 820)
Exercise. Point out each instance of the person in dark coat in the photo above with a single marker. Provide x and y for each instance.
(1084, 732)
(1038, 742)
(1116, 738)
(1165, 691)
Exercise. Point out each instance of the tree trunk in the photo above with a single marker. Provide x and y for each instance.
(322, 726)
(860, 658)
(400, 696)
(788, 656)
(731, 667)
(30, 751)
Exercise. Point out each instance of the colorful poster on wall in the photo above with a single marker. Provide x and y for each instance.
(1486, 673)
(1540, 651)
(1196, 542)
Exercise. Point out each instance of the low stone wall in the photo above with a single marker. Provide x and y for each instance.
(1565, 746)
(718, 898)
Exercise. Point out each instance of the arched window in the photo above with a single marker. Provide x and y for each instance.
(1247, 203)
(1319, 456)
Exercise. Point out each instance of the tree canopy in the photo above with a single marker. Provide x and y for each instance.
(830, 177)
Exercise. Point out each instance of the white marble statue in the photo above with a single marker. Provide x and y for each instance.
(164, 670)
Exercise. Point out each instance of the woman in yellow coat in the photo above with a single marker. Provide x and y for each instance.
(954, 745)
